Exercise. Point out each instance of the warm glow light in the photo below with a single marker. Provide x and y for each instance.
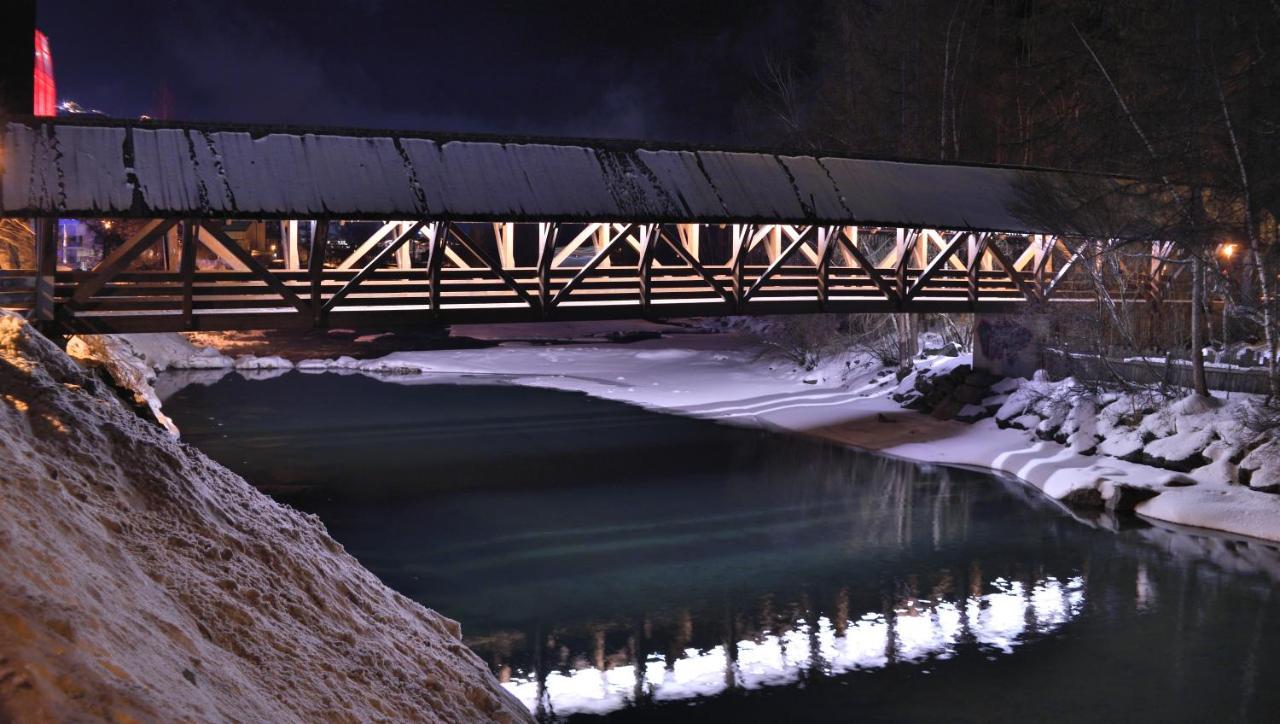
(44, 103)
(1227, 250)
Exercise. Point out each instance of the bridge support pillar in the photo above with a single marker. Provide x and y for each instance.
(1010, 345)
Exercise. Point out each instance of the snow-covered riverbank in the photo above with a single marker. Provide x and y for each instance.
(729, 377)
(141, 581)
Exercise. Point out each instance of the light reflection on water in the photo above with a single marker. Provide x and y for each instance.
(913, 632)
(608, 561)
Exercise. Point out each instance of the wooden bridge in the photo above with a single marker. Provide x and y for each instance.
(219, 227)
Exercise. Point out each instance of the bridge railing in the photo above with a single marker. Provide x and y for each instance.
(17, 289)
(414, 272)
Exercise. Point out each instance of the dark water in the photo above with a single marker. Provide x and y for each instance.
(606, 560)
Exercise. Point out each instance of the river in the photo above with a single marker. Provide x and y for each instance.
(608, 561)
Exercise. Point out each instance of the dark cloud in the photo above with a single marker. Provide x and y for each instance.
(653, 69)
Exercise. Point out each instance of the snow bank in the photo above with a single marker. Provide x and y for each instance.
(1073, 446)
(141, 581)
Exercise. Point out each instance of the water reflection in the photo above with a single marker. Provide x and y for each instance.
(608, 561)
(913, 631)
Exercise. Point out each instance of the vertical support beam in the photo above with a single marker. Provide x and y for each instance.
(46, 237)
(902, 250)
(774, 249)
(439, 240)
(289, 230)
(741, 247)
(315, 270)
(648, 245)
(972, 268)
(547, 234)
(505, 234)
(826, 237)
(190, 236)
(404, 255)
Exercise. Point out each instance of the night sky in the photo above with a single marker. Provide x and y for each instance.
(661, 69)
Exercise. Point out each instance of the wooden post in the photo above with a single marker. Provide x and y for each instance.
(187, 268)
(547, 234)
(43, 311)
(824, 263)
(315, 270)
(289, 229)
(435, 260)
(648, 245)
(404, 255)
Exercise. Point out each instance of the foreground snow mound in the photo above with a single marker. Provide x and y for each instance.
(140, 581)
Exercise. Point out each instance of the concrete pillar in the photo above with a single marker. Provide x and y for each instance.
(1010, 345)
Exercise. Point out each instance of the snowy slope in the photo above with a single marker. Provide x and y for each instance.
(141, 581)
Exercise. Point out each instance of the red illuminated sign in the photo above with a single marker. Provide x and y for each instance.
(46, 100)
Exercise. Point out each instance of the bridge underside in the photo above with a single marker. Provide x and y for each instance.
(178, 275)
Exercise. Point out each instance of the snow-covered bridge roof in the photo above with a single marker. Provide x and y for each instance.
(99, 167)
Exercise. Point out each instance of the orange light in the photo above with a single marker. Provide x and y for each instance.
(1227, 250)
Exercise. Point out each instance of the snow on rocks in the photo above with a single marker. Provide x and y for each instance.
(141, 581)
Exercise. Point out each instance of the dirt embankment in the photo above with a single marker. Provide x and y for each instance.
(140, 580)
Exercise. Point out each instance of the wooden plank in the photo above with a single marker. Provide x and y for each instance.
(937, 263)
(494, 266)
(691, 259)
(382, 255)
(119, 259)
(872, 272)
(1005, 262)
(220, 238)
(596, 260)
(778, 261)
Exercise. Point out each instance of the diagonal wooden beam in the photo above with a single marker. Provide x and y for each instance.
(374, 239)
(218, 236)
(119, 260)
(690, 259)
(383, 254)
(937, 263)
(867, 266)
(1027, 291)
(494, 266)
(587, 268)
(1062, 271)
(779, 261)
(573, 245)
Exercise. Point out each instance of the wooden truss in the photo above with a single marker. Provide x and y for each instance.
(417, 271)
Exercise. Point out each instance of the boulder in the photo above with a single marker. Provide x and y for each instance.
(1084, 498)
(969, 394)
(1122, 497)
(1183, 451)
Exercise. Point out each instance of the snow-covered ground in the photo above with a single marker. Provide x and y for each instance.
(731, 378)
(141, 581)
